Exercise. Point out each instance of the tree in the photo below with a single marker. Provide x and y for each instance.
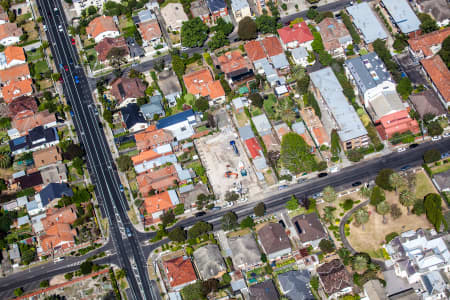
(116, 56)
(18, 292)
(195, 291)
(398, 182)
(78, 163)
(382, 179)
(107, 115)
(229, 221)
(177, 234)
(86, 267)
(198, 229)
(428, 24)
(354, 155)
(267, 24)
(383, 209)
(390, 236)
(431, 156)
(406, 198)
(247, 29)
(210, 285)
(326, 246)
(399, 44)
(218, 41)
(433, 209)
(328, 214)
(360, 263)
(202, 104)
(434, 128)
(223, 26)
(44, 284)
(247, 223)
(325, 58)
(5, 160)
(365, 192)
(193, 33)
(303, 84)
(335, 143)
(295, 154)
(377, 196)
(259, 209)
(231, 196)
(256, 99)
(317, 44)
(361, 217)
(311, 14)
(404, 87)
(329, 194)
(168, 218)
(292, 204)
(395, 211)
(124, 163)
(68, 276)
(445, 52)
(178, 65)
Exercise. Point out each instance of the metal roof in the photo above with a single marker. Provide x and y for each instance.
(403, 15)
(366, 21)
(238, 4)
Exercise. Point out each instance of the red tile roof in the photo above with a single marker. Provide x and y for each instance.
(152, 138)
(17, 89)
(158, 202)
(439, 74)
(58, 236)
(9, 30)
(233, 61)
(398, 122)
(14, 53)
(150, 30)
(27, 120)
(253, 147)
(272, 45)
(425, 42)
(65, 215)
(297, 32)
(254, 50)
(107, 44)
(202, 83)
(158, 180)
(15, 73)
(179, 271)
(145, 156)
(331, 30)
(99, 25)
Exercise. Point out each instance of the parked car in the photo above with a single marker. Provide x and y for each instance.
(282, 187)
(401, 149)
(446, 134)
(199, 214)
(404, 168)
(356, 183)
(413, 146)
(436, 138)
(322, 175)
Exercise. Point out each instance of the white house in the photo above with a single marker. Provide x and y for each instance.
(300, 56)
(12, 56)
(241, 9)
(9, 34)
(102, 27)
(180, 125)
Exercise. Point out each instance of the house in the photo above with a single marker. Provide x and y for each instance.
(281, 129)
(36, 221)
(133, 118)
(23, 220)
(53, 191)
(274, 240)
(56, 173)
(64, 215)
(265, 290)
(238, 284)
(202, 84)
(14, 253)
(127, 90)
(262, 124)
(296, 35)
(57, 238)
(27, 120)
(366, 22)
(315, 127)
(33, 208)
(153, 108)
(374, 290)
(16, 89)
(12, 56)
(397, 122)
(217, 8)
(102, 27)
(47, 156)
(179, 272)
(295, 285)
(239, 104)
(209, 262)
(105, 46)
(438, 9)
(179, 125)
(415, 253)
(237, 69)
(246, 132)
(300, 56)
(349, 127)
(170, 86)
(174, 16)
(152, 138)
(435, 286)
(439, 75)
(335, 36)
(309, 229)
(335, 279)
(155, 206)
(200, 9)
(37, 138)
(150, 32)
(10, 34)
(427, 45)
(15, 73)
(244, 251)
(158, 180)
(240, 9)
(254, 148)
(22, 104)
(402, 15)
(442, 181)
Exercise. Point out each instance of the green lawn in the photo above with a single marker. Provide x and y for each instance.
(34, 56)
(424, 186)
(441, 169)
(41, 67)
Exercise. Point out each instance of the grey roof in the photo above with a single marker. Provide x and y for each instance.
(280, 61)
(309, 227)
(131, 115)
(442, 180)
(32, 205)
(244, 250)
(54, 191)
(265, 290)
(168, 83)
(23, 220)
(439, 9)
(366, 21)
(403, 15)
(237, 285)
(385, 103)
(209, 261)
(22, 201)
(262, 124)
(183, 174)
(368, 71)
(238, 4)
(269, 71)
(186, 188)
(14, 252)
(240, 102)
(199, 8)
(349, 124)
(260, 163)
(427, 102)
(146, 15)
(299, 127)
(434, 283)
(295, 285)
(299, 52)
(374, 290)
(153, 108)
(246, 132)
(215, 5)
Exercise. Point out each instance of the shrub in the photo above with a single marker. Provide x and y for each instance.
(348, 204)
(390, 236)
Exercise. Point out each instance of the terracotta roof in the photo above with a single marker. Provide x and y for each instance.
(397, 122)
(297, 32)
(152, 138)
(124, 87)
(158, 202)
(9, 30)
(65, 215)
(439, 74)
(158, 180)
(17, 89)
(99, 25)
(46, 156)
(150, 30)
(27, 120)
(20, 104)
(202, 83)
(14, 53)
(145, 156)
(3, 15)
(254, 50)
(15, 73)
(425, 42)
(233, 61)
(253, 147)
(179, 271)
(321, 135)
(334, 277)
(272, 45)
(57, 235)
(331, 30)
(273, 238)
(105, 45)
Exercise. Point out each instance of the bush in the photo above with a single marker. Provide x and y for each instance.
(354, 155)
(390, 236)
(431, 155)
(348, 204)
(326, 246)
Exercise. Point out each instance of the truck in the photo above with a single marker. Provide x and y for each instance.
(233, 144)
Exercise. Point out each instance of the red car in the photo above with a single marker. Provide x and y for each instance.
(73, 41)
(66, 68)
(60, 79)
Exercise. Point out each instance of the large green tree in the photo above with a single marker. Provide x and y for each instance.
(292, 204)
(335, 143)
(194, 33)
(361, 217)
(407, 199)
(198, 229)
(259, 209)
(329, 194)
(247, 29)
(383, 209)
(433, 209)
(404, 88)
(428, 24)
(177, 234)
(267, 24)
(377, 196)
(295, 154)
(218, 41)
(382, 179)
(431, 156)
(445, 51)
(229, 221)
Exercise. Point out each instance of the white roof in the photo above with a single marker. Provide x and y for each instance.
(403, 15)
(366, 21)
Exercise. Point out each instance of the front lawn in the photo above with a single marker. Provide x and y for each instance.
(424, 186)
(40, 67)
(34, 55)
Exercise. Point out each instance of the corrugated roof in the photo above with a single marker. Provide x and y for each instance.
(366, 21)
(403, 15)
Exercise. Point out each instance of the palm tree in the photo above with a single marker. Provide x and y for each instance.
(398, 182)
(360, 263)
(407, 199)
(383, 209)
(328, 215)
(365, 192)
(361, 217)
(329, 194)
(5, 160)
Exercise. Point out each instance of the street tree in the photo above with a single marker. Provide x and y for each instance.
(365, 192)
(124, 163)
(18, 292)
(295, 154)
(259, 209)
(218, 41)
(247, 29)
(194, 33)
(292, 204)
(382, 179)
(86, 267)
(116, 56)
(407, 199)
(361, 217)
(431, 156)
(434, 128)
(335, 143)
(168, 218)
(329, 194)
(177, 234)
(231, 196)
(229, 221)
(198, 229)
(247, 223)
(266, 24)
(383, 209)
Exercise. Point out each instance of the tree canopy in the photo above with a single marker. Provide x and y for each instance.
(247, 29)
(377, 196)
(256, 99)
(382, 179)
(329, 194)
(404, 87)
(124, 163)
(428, 24)
(194, 33)
(198, 229)
(229, 221)
(433, 209)
(431, 156)
(292, 204)
(259, 209)
(444, 53)
(267, 24)
(295, 154)
(177, 234)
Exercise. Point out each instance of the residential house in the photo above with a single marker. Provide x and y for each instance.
(12, 56)
(343, 116)
(238, 283)
(202, 84)
(56, 173)
(53, 192)
(14, 253)
(179, 272)
(315, 127)
(46, 157)
(170, 86)
(107, 44)
(402, 16)
(209, 262)
(436, 286)
(335, 36)
(158, 180)
(237, 69)
(34, 208)
(127, 90)
(153, 108)
(274, 240)
(37, 138)
(374, 290)
(244, 251)
(438, 9)
(295, 285)
(10, 206)
(296, 35)
(16, 89)
(151, 33)
(179, 125)
(154, 206)
(281, 129)
(262, 124)
(309, 229)
(239, 104)
(23, 221)
(254, 148)
(57, 238)
(21, 104)
(366, 22)
(217, 8)
(439, 76)
(246, 132)
(36, 220)
(15, 73)
(151, 159)
(200, 9)
(442, 181)
(27, 120)
(174, 15)
(10, 34)
(335, 279)
(265, 290)
(3, 16)
(64, 215)
(240, 9)
(152, 138)
(300, 56)
(132, 118)
(415, 253)
(427, 45)
(102, 27)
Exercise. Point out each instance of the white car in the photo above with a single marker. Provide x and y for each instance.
(45, 27)
(447, 134)
(55, 9)
(60, 28)
(401, 149)
(436, 138)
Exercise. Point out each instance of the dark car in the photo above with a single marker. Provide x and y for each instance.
(404, 168)
(357, 183)
(282, 223)
(413, 146)
(322, 175)
(200, 213)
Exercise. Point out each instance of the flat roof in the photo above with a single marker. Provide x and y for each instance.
(367, 23)
(403, 15)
